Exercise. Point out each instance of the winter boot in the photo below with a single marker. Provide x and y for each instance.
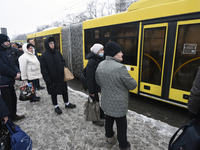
(110, 142)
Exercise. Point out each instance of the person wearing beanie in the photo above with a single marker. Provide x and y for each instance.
(52, 67)
(94, 57)
(115, 83)
(30, 68)
(8, 72)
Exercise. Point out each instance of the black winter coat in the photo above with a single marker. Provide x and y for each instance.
(14, 54)
(8, 69)
(52, 68)
(194, 98)
(3, 109)
(92, 65)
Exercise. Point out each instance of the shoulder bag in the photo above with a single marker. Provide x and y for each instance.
(189, 139)
(92, 110)
(19, 139)
(67, 74)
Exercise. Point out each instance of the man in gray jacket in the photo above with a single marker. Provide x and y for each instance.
(115, 83)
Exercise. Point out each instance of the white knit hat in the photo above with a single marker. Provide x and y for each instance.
(96, 47)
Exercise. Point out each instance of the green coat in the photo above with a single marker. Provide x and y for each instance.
(115, 83)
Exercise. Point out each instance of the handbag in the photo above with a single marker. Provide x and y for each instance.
(4, 137)
(92, 110)
(189, 139)
(67, 74)
(26, 92)
(19, 139)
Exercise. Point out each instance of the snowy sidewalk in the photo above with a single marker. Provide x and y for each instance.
(70, 131)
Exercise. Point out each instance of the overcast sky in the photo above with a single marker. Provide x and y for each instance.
(23, 16)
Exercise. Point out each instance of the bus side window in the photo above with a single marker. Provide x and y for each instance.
(39, 44)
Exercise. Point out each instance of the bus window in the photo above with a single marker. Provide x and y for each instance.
(88, 41)
(153, 50)
(57, 39)
(39, 44)
(187, 57)
(125, 35)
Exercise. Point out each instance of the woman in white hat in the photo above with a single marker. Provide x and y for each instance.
(95, 57)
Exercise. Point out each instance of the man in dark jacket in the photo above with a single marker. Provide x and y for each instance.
(52, 68)
(8, 72)
(194, 98)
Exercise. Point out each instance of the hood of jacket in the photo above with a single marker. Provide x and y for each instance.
(92, 55)
(46, 44)
(24, 47)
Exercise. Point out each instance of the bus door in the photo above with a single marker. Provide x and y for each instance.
(186, 59)
(153, 58)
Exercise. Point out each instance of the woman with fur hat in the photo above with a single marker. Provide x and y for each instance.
(115, 83)
(95, 57)
(30, 67)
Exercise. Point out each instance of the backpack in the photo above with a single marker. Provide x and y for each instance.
(83, 79)
(189, 139)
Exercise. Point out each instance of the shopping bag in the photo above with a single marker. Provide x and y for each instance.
(189, 139)
(19, 139)
(67, 74)
(4, 137)
(26, 92)
(92, 110)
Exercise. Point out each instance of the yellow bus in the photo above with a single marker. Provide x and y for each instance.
(161, 45)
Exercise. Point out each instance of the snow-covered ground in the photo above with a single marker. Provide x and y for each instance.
(70, 131)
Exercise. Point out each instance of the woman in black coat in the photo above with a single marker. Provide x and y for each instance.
(95, 57)
(52, 69)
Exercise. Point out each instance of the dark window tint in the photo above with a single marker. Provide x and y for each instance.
(39, 44)
(88, 41)
(187, 58)
(125, 35)
(153, 50)
(57, 39)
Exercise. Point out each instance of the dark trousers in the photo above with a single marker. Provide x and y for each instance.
(121, 129)
(35, 84)
(9, 97)
(55, 101)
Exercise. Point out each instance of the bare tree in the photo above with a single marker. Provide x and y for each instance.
(122, 5)
(20, 37)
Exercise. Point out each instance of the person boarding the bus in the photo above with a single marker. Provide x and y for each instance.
(8, 73)
(30, 68)
(94, 57)
(52, 68)
(115, 83)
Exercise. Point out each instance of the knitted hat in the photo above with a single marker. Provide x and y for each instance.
(4, 38)
(112, 49)
(96, 47)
